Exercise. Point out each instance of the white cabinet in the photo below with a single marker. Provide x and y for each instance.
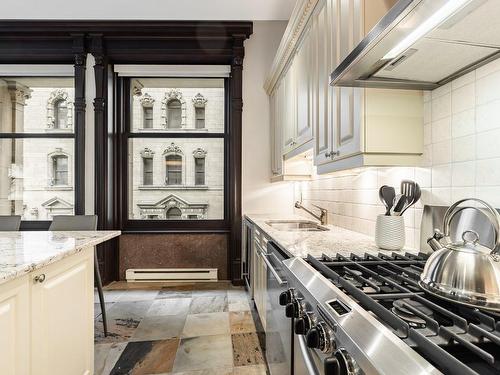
(260, 278)
(46, 319)
(350, 127)
(14, 327)
(360, 127)
(62, 317)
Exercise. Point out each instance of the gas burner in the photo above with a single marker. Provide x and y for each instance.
(399, 307)
(351, 275)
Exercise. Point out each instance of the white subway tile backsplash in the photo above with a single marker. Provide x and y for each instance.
(441, 129)
(461, 159)
(463, 174)
(463, 98)
(464, 148)
(427, 112)
(487, 144)
(441, 107)
(488, 116)
(427, 134)
(487, 88)
(441, 152)
(488, 172)
(441, 175)
(463, 123)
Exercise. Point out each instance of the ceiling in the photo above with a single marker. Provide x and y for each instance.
(250, 10)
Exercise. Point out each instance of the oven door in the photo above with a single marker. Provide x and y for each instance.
(306, 361)
(279, 347)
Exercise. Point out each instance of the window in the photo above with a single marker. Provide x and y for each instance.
(174, 213)
(192, 164)
(35, 161)
(174, 114)
(60, 170)
(60, 114)
(200, 118)
(147, 176)
(148, 117)
(199, 170)
(173, 164)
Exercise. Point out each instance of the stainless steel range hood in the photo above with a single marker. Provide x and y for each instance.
(423, 44)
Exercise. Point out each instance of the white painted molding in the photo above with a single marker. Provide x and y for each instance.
(14, 70)
(298, 20)
(172, 70)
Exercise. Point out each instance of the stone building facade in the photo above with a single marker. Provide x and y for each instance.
(169, 178)
(177, 178)
(36, 174)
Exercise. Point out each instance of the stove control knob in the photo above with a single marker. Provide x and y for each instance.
(292, 309)
(286, 297)
(302, 325)
(341, 363)
(318, 338)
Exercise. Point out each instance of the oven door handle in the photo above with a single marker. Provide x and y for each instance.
(306, 355)
(280, 281)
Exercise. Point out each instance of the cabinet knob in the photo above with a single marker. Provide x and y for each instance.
(39, 278)
(332, 154)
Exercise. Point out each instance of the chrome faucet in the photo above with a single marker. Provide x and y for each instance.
(322, 217)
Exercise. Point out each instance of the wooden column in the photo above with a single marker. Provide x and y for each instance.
(235, 129)
(80, 105)
(107, 252)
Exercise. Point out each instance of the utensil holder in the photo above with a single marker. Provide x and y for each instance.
(390, 232)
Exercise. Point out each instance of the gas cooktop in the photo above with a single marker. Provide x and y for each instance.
(455, 339)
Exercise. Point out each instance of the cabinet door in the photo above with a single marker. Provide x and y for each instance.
(349, 129)
(289, 108)
(62, 317)
(303, 89)
(14, 327)
(275, 114)
(324, 96)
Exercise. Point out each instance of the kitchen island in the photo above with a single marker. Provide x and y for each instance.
(47, 301)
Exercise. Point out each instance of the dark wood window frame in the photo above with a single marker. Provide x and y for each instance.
(132, 42)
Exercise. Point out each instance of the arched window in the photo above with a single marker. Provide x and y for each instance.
(174, 213)
(173, 164)
(174, 112)
(59, 170)
(60, 114)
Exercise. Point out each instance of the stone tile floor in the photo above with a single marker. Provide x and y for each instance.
(189, 329)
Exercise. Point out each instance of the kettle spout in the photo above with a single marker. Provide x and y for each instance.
(434, 240)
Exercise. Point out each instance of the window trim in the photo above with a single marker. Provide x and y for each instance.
(127, 133)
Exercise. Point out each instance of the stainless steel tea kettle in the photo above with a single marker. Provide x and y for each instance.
(465, 272)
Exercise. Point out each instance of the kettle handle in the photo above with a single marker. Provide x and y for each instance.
(494, 218)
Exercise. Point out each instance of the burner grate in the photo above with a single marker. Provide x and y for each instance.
(437, 329)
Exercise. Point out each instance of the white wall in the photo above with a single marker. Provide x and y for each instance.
(258, 194)
(461, 159)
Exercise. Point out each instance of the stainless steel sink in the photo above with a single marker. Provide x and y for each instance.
(296, 226)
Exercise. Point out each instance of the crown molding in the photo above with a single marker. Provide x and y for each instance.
(298, 20)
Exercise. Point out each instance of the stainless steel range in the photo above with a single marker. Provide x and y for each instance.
(367, 315)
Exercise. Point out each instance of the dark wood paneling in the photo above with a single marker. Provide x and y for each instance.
(235, 118)
(80, 104)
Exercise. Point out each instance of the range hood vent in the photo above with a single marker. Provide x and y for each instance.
(423, 44)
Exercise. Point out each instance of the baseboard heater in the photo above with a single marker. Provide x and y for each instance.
(171, 274)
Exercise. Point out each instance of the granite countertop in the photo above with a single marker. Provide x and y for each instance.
(336, 240)
(24, 252)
